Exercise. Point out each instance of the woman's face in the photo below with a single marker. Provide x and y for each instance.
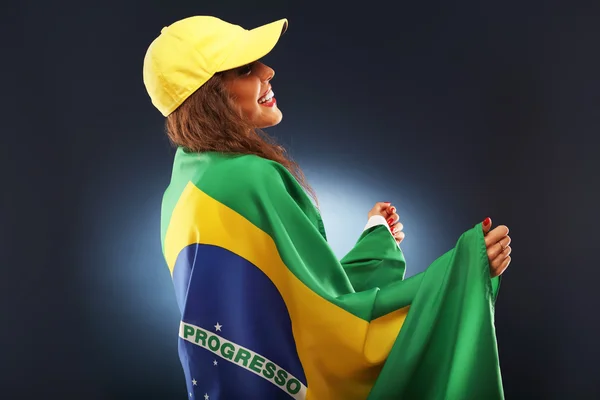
(251, 91)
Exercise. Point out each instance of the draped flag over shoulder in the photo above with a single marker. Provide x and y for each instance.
(269, 312)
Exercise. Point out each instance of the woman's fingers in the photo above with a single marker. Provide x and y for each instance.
(393, 221)
(486, 225)
(496, 235)
(395, 225)
(498, 270)
(497, 243)
(398, 226)
(399, 236)
(499, 259)
(392, 217)
(397, 231)
(495, 249)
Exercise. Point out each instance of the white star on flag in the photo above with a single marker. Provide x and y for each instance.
(218, 327)
(194, 382)
(215, 362)
(205, 396)
(190, 395)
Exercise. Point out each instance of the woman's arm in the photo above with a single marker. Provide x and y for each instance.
(375, 260)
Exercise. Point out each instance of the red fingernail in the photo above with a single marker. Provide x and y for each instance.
(389, 221)
(487, 221)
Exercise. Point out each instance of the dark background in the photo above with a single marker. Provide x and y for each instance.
(453, 110)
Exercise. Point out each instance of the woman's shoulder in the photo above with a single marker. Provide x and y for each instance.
(243, 165)
(237, 171)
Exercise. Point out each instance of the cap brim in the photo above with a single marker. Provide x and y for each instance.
(255, 44)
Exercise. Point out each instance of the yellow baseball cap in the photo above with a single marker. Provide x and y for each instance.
(189, 52)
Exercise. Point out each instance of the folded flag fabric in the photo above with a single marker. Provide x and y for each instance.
(268, 311)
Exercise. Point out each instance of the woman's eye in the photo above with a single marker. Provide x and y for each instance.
(245, 70)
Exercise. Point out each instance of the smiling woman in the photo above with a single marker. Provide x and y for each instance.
(226, 115)
(249, 256)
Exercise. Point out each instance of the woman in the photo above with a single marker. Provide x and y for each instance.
(268, 311)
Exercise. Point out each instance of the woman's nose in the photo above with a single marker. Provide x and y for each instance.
(268, 73)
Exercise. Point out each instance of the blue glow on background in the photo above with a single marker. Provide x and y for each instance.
(128, 287)
(346, 196)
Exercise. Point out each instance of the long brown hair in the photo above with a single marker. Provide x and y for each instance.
(208, 121)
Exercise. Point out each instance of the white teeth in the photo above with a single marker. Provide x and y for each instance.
(266, 97)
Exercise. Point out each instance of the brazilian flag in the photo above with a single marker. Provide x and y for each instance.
(269, 312)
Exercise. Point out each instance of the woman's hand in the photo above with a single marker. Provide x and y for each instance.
(497, 243)
(388, 211)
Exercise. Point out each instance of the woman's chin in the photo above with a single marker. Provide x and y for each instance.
(272, 120)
